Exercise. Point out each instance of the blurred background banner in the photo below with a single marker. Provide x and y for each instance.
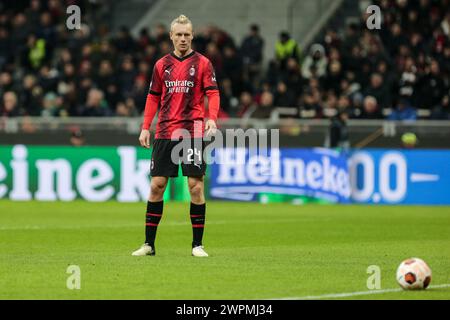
(373, 176)
(314, 173)
(400, 176)
(66, 173)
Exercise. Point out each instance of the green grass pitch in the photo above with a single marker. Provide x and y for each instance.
(256, 251)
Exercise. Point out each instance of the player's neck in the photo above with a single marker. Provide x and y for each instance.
(181, 54)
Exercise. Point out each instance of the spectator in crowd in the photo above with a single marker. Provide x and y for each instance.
(252, 47)
(353, 60)
(349, 89)
(5, 47)
(127, 75)
(246, 103)
(334, 76)
(264, 108)
(445, 25)
(33, 13)
(30, 96)
(215, 56)
(311, 102)
(52, 106)
(106, 81)
(442, 110)
(388, 78)
(220, 37)
(139, 92)
(77, 138)
(286, 48)
(284, 97)
(125, 42)
(330, 103)
(291, 76)
(126, 109)
(46, 31)
(432, 86)
(35, 53)
(371, 109)
(96, 105)
(408, 81)
(403, 112)
(106, 52)
(228, 102)
(9, 106)
(161, 33)
(379, 90)
(48, 78)
(122, 110)
(232, 68)
(315, 64)
(344, 104)
(6, 82)
(338, 132)
(19, 32)
(351, 39)
(252, 53)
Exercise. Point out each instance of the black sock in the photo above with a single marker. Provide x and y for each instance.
(198, 223)
(152, 218)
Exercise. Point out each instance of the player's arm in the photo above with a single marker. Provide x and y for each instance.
(213, 106)
(151, 107)
(212, 92)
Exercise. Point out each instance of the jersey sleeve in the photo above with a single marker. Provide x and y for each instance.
(155, 84)
(209, 81)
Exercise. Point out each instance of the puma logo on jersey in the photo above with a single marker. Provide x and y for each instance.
(168, 71)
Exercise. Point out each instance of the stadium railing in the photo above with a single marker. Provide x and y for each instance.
(133, 124)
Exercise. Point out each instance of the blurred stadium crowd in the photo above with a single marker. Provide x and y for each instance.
(47, 70)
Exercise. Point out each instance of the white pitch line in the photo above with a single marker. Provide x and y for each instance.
(358, 293)
(168, 224)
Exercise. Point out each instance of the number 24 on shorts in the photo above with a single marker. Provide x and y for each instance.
(194, 153)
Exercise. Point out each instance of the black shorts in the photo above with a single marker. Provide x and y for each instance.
(168, 154)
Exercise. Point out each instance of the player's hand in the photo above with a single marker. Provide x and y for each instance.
(210, 127)
(144, 138)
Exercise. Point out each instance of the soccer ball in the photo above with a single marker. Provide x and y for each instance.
(413, 274)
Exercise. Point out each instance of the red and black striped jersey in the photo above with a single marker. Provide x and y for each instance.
(181, 84)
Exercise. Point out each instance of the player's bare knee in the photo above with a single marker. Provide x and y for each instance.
(196, 189)
(157, 188)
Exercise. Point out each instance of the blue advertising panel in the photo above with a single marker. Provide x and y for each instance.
(374, 176)
(400, 176)
(242, 174)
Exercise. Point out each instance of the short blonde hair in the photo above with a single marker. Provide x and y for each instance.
(181, 19)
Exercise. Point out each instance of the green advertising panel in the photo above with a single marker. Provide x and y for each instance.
(91, 173)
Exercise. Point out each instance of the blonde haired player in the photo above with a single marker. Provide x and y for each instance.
(180, 81)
